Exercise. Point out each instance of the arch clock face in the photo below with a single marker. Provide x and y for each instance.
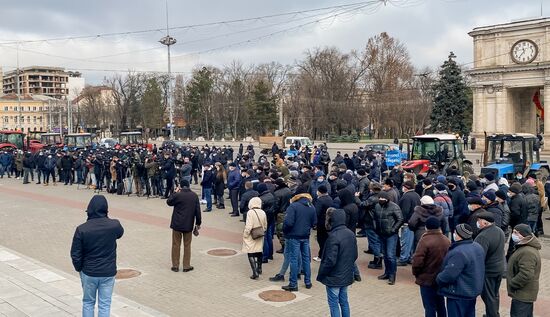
(524, 51)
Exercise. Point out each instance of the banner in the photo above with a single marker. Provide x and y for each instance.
(393, 157)
(540, 108)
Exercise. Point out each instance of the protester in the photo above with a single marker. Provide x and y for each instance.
(93, 253)
(426, 264)
(388, 219)
(524, 266)
(186, 217)
(253, 246)
(336, 269)
(462, 274)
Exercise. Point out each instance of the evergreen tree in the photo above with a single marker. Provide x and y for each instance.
(263, 109)
(452, 101)
(152, 105)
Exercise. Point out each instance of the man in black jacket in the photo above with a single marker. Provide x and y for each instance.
(387, 221)
(93, 253)
(248, 194)
(322, 204)
(207, 182)
(408, 201)
(339, 255)
(518, 211)
(186, 215)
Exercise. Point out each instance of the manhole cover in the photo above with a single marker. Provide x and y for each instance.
(277, 296)
(123, 274)
(222, 252)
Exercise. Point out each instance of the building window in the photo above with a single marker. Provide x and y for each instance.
(33, 108)
(15, 118)
(34, 119)
(28, 119)
(14, 108)
(5, 108)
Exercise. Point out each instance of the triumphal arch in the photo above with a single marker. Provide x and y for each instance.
(509, 78)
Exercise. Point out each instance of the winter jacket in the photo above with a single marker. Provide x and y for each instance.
(208, 178)
(5, 159)
(245, 199)
(40, 160)
(428, 257)
(339, 253)
(234, 179)
(321, 205)
(472, 221)
(269, 204)
(505, 216)
(169, 168)
(407, 203)
(219, 183)
(443, 200)
(256, 218)
(282, 196)
(518, 210)
(417, 222)
(497, 212)
(300, 217)
(460, 205)
(492, 240)
(50, 163)
(463, 271)
(93, 250)
(187, 211)
(387, 219)
(185, 170)
(67, 162)
(522, 279)
(533, 203)
(347, 201)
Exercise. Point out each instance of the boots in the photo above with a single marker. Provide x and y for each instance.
(376, 264)
(391, 279)
(259, 265)
(253, 265)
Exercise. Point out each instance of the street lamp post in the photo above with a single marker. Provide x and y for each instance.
(168, 41)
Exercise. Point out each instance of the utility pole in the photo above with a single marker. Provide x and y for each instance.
(168, 41)
(49, 115)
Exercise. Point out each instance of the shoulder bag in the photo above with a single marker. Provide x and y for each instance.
(257, 232)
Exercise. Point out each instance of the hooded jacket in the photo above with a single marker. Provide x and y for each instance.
(524, 271)
(339, 253)
(417, 222)
(93, 250)
(347, 202)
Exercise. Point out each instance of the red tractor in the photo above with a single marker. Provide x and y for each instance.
(438, 151)
(16, 140)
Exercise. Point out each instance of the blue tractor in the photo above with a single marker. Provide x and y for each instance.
(507, 154)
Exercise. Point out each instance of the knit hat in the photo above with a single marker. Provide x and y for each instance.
(347, 177)
(322, 189)
(440, 187)
(426, 200)
(302, 189)
(432, 223)
(464, 231)
(427, 181)
(501, 194)
(361, 172)
(471, 185)
(490, 177)
(184, 183)
(524, 230)
(475, 201)
(388, 182)
(441, 179)
(490, 194)
(384, 195)
(280, 182)
(486, 215)
(262, 188)
(515, 188)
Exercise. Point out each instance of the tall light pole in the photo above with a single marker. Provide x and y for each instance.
(168, 41)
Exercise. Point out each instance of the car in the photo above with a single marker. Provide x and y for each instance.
(108, 143)
(172, 143)
(381, 147)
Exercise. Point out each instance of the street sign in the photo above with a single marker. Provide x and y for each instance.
(393, 157)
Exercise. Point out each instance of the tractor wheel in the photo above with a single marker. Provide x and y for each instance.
(467, 167)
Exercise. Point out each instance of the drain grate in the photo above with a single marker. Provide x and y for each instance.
(277, 296)
(124, 274)
(222, 252)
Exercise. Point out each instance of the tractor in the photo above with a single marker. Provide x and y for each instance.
(437, 151)
(133, 139)
(77, 141)
(51, 140)
(16, 140)
(507, 154)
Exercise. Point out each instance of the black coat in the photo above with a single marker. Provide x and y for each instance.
(269, 204)
(339, 253)
(187, 210)
(245, 198)
(387, 219)
(321, 205)
(407, 203)
(518, 210)
(93, 250)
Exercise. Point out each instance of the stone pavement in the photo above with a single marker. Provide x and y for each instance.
(31, 288)
(38, 222)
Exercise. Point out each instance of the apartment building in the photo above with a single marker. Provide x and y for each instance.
(38, 80)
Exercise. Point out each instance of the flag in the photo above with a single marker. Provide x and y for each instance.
(540, 108)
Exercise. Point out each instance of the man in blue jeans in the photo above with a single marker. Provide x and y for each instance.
(300, 218)
(93, 253)
(388, 219)
(336, 270)
(207, 183)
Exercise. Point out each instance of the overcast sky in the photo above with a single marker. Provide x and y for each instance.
(428, 28)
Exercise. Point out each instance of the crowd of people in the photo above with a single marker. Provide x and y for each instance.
(461, 234)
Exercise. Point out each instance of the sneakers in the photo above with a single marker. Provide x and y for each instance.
(317, 259)
(203, 201)
(277, 278)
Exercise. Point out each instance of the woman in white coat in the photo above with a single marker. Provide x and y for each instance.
(254, 247)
